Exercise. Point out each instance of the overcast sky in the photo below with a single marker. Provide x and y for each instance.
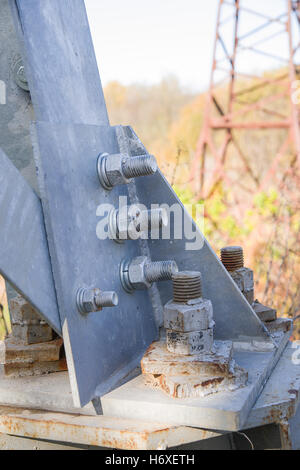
(145, 40)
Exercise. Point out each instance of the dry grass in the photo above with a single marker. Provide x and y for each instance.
(5, 326)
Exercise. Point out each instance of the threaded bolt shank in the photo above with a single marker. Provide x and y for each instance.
(160, 271)
(93, 300)
(106, 299)
(141, 165)
(187, 285)
(232, 258)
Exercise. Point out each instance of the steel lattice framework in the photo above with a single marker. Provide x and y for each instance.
(237, 112)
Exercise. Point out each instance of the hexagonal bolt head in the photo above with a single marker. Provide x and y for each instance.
(93, 300)
(193, 316)
(189, 344)
(140, 272)
(130, 223)
(117, 169)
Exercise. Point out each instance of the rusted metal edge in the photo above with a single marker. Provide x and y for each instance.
(97, 431)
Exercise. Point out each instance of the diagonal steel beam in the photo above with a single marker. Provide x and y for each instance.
(24, 255)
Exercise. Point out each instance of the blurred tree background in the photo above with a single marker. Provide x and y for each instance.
(265, 221)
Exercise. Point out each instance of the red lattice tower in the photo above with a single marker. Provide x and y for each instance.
(237, 113)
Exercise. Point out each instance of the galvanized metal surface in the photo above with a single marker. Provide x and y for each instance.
(280, 397)
(24, 256)
(16, 111)
(50, 392)
(104, 346)
(65, 85)
(295, 429)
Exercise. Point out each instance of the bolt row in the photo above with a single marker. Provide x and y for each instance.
(140, 272)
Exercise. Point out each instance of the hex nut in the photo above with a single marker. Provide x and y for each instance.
(186, 318)
(113, 169)
(243, 278)
(190, 344)
(22, 312)
(86, 300)
(136, 273)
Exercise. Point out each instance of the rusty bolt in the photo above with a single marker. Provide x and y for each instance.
(232, 258)
(187, 285)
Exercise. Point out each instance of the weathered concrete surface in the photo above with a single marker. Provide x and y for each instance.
(26, 369)
(32, 334)
(22, 312)
(18, 359)
(12, 351)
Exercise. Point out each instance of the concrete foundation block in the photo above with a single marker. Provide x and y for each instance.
(22, 312)
(244, 279)
(14, 351)
(32, 334)
(265, 314)
(18, 359)
(189, 317)
(190, 343)
(25, 369)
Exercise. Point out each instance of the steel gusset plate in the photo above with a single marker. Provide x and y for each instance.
(104, 346)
